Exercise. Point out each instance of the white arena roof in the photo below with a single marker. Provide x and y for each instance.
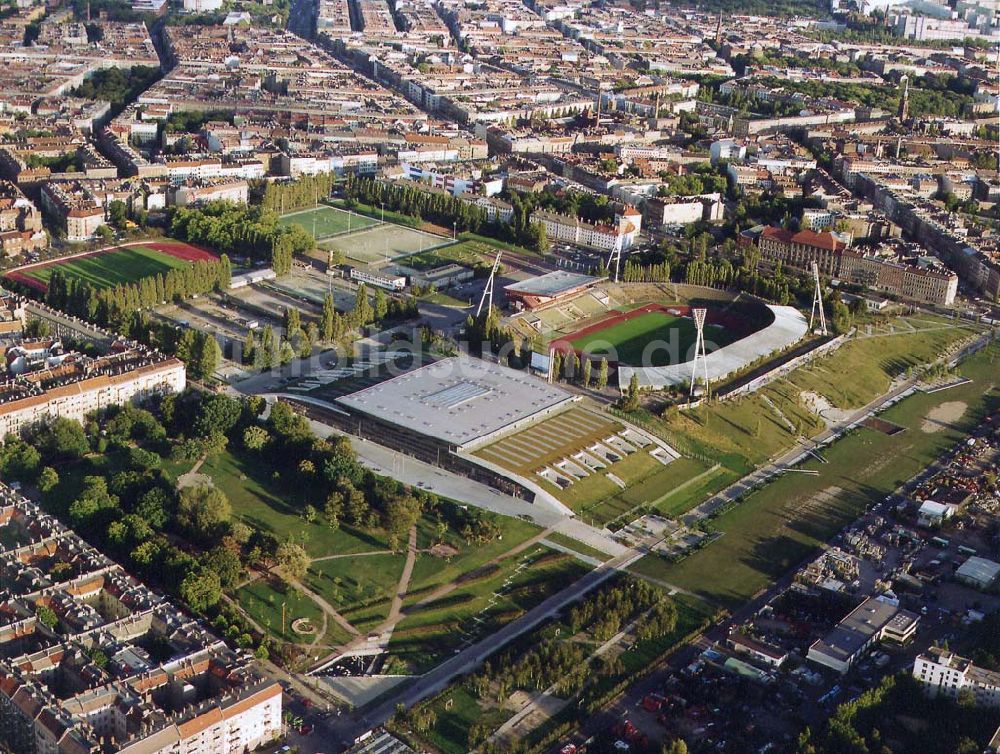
(458, 400)
(788, 328)
(551, 284)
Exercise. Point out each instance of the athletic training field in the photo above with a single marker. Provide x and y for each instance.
(324, 221)
(383, 243)
(110, 267)
(650, 336)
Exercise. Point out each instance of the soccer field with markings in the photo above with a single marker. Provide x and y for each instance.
(324, 222)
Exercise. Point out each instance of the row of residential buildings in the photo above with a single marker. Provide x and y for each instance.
(919, 278)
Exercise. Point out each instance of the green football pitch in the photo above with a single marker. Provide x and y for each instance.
(667, 338)
(117, 266)
(324, 222)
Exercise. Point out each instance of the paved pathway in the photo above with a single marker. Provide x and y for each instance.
(321, 558)
(326, 607)
(442, 591)
(404, 579)
(469, 659)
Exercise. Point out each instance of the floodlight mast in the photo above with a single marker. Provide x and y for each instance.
(487, 298)
(817, 304)
(699, 348)
(616, 260)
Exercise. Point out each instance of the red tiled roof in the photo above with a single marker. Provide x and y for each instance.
(803, 237)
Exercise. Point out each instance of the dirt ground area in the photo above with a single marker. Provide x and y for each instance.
(941, 416)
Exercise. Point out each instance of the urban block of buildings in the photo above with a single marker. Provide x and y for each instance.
(120, 668)
(920, 278)
(44, 379)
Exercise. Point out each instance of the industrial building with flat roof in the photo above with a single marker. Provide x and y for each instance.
(874, 619)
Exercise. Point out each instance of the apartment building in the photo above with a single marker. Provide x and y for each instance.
(683, 210)
(20, 222)
(944, 673)
(617, 237)
(298, 164)
(497, 210)
(73, 385)
(914, 278)
(75, 207)
(202, 191)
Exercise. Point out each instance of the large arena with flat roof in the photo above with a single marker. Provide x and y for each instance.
(460, 401)
(505, 428)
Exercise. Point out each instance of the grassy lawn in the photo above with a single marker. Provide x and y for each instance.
(482, 603)
(466, 252)
(629, 340)
(776, 528)
(599, 500)
(687, 495)
(442, 298)
(324, 221)
(570, 543)
(124, 265)
(754, 427)
(362, 586)
(430, 571)
(266, 504)
(263, 600)
(873, 362)
(661, 480)
(457, 711)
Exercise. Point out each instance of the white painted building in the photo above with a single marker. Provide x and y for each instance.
(943, 673)
(108, 385)
(566, 229)
(727, 149)
(497, 210)
(362, 163)
(387, 281)
(202, 6)
(200, 193)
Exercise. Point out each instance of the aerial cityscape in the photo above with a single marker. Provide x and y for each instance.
(500, 376)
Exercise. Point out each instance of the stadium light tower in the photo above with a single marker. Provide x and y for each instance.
(615, 259)
(488, 290)
(699, 348)
(817, 303)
